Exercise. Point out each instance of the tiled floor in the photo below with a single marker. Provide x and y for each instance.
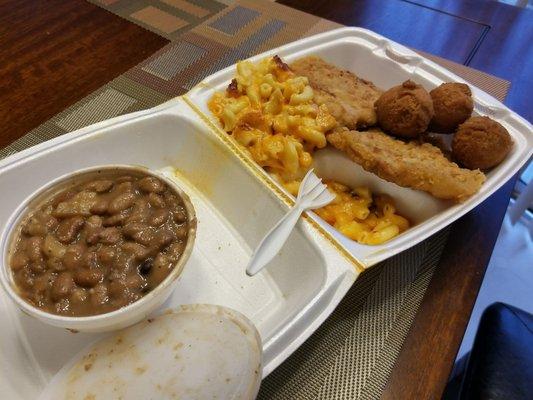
(509, 276)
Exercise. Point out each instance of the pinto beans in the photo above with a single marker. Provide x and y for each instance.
(139, 251)
(93, 228)
(117, 219)
(161, 268)
(110, 235)
(40, 224)
(34, 248)
(175, 250)
(106, 255)
(69, 228)
(182, 231)
(80, 204)
(121, 202)
(117, 289)
(100, 206)
(100, 244)
(74, 256)
(19, 261)
(99, 186)
(99, 295)
(139, 232)
(151, 184)
(126, 186)
(63, 286)
(78, 295)
(159, 217)
(141, 211)
(162, 238)
(94, 221)
(88, 277)
(180, 215)
(156, 200)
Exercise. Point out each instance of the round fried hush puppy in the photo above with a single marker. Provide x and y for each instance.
(481, 142)
(453, 105)
(405, 110)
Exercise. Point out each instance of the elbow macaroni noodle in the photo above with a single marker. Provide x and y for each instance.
(362, 217)
(270, 112)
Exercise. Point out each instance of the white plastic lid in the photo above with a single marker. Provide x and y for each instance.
(194, 352)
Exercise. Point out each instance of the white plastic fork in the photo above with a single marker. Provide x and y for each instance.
(311, 195)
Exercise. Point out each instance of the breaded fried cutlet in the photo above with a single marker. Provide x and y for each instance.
(413, 165)
(349, 98)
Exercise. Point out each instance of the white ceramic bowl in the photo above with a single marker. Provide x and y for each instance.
(117, 319)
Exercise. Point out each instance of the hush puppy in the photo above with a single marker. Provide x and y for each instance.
(481, 142)
(405, 110)
(453, 105)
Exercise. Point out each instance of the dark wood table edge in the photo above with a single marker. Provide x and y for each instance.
(426, 359)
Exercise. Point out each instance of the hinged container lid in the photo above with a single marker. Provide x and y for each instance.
(193, 352)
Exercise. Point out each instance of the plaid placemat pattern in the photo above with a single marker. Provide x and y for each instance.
(352, 354)
(167, 18)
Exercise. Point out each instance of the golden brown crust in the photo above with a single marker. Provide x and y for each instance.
(349, 98)
(481, 142)
(279, 62)
(233, 90)
(414, 165)
(405, 110)
(453, 105)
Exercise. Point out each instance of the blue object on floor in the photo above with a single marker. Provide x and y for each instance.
(500, 365)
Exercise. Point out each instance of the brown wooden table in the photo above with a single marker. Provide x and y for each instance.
(53, 53)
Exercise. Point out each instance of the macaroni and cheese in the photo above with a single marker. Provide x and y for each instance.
(270, 112)
(361, 216)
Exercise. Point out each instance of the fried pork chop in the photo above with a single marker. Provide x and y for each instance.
(349, 98)
(411, 164)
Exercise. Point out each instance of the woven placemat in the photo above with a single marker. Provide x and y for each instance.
(352, 354)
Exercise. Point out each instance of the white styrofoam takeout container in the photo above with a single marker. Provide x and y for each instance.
(286, 302)
(236, 203)
(116, 319)
(386, 63)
